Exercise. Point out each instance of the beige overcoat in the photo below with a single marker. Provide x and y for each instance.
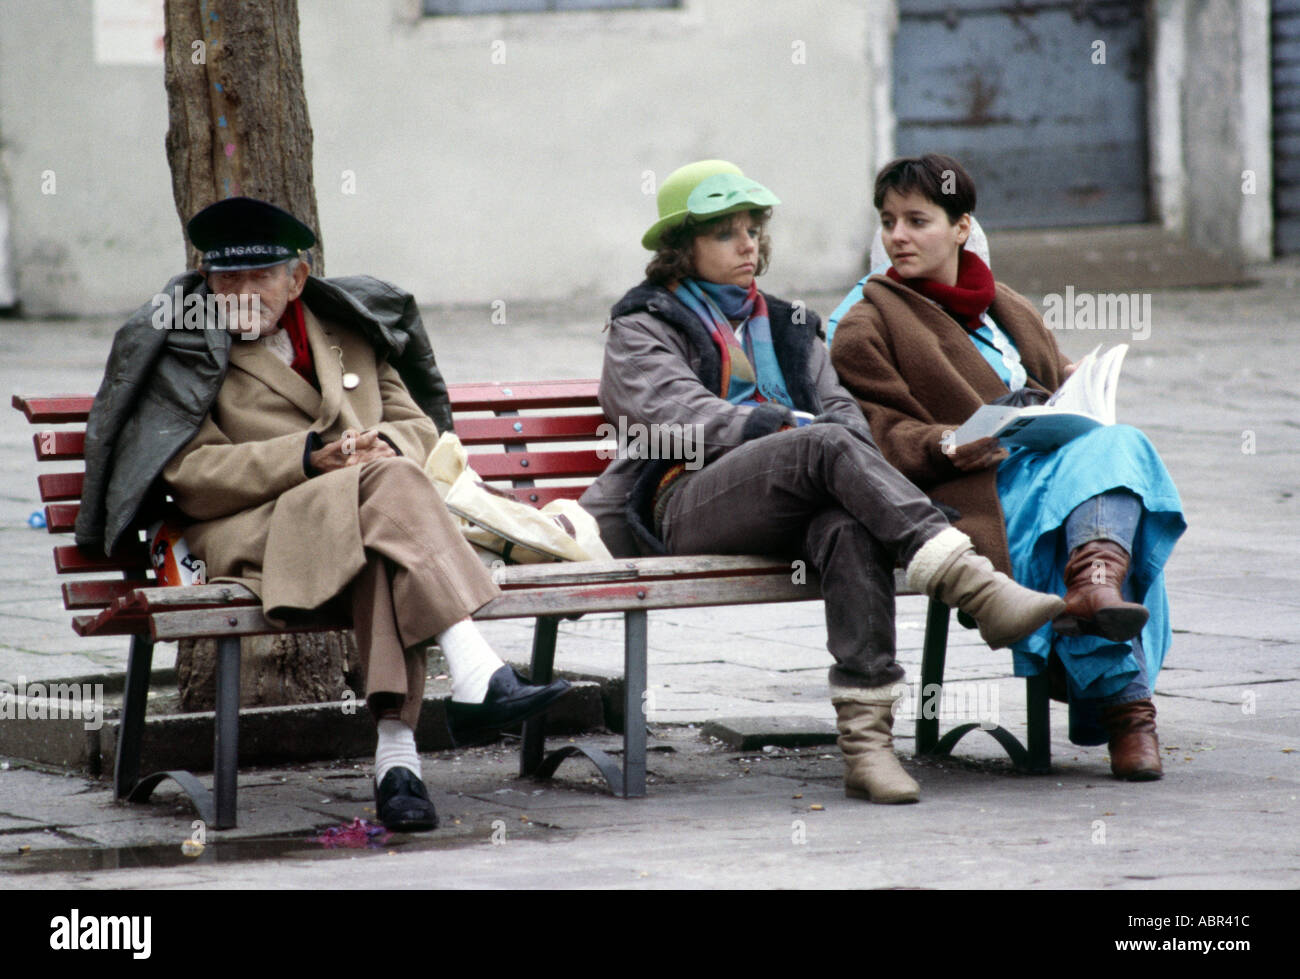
(294, 540)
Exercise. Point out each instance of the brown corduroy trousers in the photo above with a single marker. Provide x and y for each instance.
(420, 578)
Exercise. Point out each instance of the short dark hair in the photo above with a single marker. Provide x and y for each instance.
(938, 178)
(672, 260)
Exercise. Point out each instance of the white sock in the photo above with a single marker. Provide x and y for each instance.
(470, 660)
(396, 748)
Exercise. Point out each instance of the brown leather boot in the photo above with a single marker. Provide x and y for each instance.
(1093, 603)
(1134, 750)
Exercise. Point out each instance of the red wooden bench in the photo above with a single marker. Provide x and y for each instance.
(538, 441)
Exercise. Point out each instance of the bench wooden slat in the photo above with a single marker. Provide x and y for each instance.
(674, 593)
(59, 446)
(524, 602)
(97, 593)
(539, 496)
(247, 620)
(192, 596)
(639, 569)
(61, 518)
(129, 606)
(221, 594)
(54, 409)
(537, 465)
(523, 394)
(70, 559)
(528, 428)
(60, 486)
(108, 624)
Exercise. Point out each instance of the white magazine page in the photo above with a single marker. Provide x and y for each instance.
(986, 420)
(1072, 395)
(1110, 366)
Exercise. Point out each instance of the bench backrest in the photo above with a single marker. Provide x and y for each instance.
(536, 440)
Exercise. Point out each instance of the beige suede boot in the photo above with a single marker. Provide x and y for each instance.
(865, 720)
(947, 568)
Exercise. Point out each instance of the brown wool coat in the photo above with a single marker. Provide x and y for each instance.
(916, 374)
(295, 541)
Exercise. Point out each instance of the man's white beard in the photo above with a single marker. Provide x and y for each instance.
(250, 318)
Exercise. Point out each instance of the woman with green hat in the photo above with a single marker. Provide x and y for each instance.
(747, 444)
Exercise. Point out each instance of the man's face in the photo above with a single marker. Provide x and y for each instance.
(263, 294)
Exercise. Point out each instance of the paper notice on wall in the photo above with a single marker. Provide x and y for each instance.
(129, 32)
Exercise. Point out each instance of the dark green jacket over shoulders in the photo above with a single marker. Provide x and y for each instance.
(160, 383)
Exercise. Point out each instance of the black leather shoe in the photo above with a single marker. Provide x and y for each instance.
(402, 802)
(509, 700)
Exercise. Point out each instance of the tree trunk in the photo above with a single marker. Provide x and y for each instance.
(238, 123)
(295, 668)
(238, 127)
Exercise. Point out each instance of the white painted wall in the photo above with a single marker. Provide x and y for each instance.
(474, 180)
(524, 179)
(108, 236)
(478, 180)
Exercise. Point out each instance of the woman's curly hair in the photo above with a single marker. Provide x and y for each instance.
(672, 262)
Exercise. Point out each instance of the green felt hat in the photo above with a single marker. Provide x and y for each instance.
(707, 189)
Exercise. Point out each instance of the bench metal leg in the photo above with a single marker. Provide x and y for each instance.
(933, 656)
(1040, 730)
(541, 673)
(127, 783)
(190, 785)
(1036, 759)
(130, 732)
(634, 707)
(629, 782)
(225, 744)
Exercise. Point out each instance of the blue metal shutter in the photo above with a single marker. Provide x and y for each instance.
(1010, 88)
(1286, 126)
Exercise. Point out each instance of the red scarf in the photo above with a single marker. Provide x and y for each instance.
(292, 323)
(968, 299)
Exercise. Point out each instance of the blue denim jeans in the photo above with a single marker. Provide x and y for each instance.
(1110, 516)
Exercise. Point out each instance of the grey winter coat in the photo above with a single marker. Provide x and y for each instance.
(661, 367)
(160, 383)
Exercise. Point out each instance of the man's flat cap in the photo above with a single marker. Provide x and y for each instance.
(245, 233)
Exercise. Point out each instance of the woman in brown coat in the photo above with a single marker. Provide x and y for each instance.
(931, 341)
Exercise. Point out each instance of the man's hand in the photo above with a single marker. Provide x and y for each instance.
(977, 455)
(352, 449)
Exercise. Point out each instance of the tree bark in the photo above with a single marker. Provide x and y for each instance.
(296, 668)
(238, 124)
(238, 127)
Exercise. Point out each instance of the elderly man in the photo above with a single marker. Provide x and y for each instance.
(288, 436)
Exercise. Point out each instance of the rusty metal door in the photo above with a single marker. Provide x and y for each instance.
(1044, 101)
(1286, 126)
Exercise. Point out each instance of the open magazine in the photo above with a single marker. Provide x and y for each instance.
(1085, 401)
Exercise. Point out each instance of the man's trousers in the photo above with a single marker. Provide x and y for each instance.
(420, 578)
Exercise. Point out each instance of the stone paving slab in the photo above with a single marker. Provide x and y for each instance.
(1223, 817)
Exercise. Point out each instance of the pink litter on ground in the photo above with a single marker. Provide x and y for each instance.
(360, 834)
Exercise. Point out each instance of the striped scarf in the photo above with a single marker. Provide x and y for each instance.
(750, 372)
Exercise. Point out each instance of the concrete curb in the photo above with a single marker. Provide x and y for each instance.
(267, 735)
